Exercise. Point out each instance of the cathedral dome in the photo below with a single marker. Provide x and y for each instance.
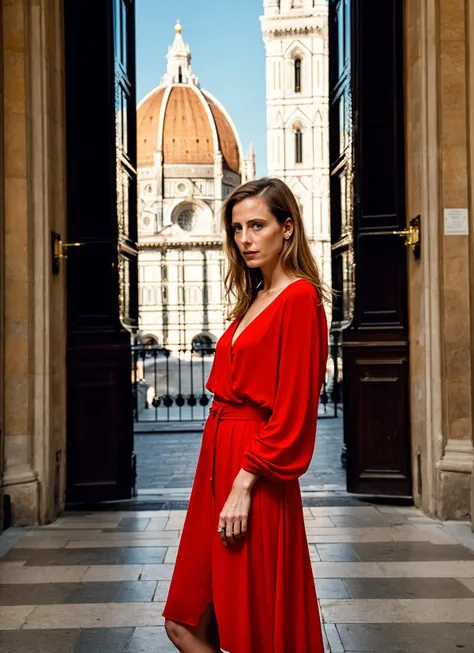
(188, 125)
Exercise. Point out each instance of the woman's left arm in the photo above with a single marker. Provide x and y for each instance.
(283, 449)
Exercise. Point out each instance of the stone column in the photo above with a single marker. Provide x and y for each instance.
(470, 100)
(20, 480)
(439, 297)
(35, 334)
(455, 466)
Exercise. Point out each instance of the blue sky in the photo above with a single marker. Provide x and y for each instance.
(228, 56)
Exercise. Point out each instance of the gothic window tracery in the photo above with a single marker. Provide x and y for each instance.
(298, 146)
(298, 75)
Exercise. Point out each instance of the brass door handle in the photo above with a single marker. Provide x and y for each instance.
(59, 249)
(411, 235)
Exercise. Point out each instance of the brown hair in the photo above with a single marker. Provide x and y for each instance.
(241, 282)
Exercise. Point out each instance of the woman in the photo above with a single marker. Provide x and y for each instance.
(243, 558)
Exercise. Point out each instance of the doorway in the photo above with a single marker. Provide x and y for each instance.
(367, 173)
(106, 354)
(101, 247)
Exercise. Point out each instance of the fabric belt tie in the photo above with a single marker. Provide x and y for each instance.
(220, 410)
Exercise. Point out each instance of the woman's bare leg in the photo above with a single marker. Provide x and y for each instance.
(192, 639)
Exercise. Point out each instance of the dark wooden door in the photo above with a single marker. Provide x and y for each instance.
(102, 302)
(369, 260)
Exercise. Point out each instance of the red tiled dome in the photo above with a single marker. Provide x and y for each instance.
(193, 128)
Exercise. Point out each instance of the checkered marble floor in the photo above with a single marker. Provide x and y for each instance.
(389, 580)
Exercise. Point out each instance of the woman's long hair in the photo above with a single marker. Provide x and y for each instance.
(241, 282)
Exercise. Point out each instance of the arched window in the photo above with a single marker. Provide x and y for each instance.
(202, 344)
(298, 146)
(180, 75)
(298, 75)
(150, 341)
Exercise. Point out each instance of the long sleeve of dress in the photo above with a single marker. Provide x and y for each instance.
(282, 450)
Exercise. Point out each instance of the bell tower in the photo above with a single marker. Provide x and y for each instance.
(295, 33)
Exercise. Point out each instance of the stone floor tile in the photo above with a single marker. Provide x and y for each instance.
(92, 515)
(372, 521)
(173, 526)
(422, 519)
(41, 543)
(432, 534)
(337, 553)
(411, 638)
(162, 589)
(13, 564)
(313, 553)
(334, 641)
(321, 522)
(145, 638)
(171, 554)
(84, 593)
(328, 539)
(461, 531)
(113, 572)
(67, 557)
(411, 551)
(333, 531)
(138, 591)
(406, 588)
(157, 524)
(331, 588)
(149, 514)
(122, 543)
(24, 575)
(104, 640)
(34, 641)
(439, 610)
(143, 535)
(347, 570)
(34, 594)
(328, 511)
(106, 615)
(79, 534)
(13, 617)
(128, 525)
(468, 582)
(350, 611)
(437, 569)
(156, 572)
(143, 555)
(376, 537)
(410, 510)
(70, 525)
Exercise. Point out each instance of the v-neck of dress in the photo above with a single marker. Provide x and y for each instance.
(238, 322)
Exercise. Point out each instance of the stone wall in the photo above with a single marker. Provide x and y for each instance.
(438, 178)
(34, 306)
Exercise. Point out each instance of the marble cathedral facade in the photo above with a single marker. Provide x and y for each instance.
(189, 160)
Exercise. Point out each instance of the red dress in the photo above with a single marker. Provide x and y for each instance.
(266, 391)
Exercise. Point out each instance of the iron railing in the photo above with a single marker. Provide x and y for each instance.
(169, 385)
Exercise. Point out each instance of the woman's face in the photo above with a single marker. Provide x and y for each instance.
(257, 233)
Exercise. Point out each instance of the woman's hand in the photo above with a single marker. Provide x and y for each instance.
(234, 515)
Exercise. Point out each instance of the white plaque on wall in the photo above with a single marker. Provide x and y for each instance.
(456, 222)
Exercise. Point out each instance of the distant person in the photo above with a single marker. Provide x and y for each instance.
(243, 564)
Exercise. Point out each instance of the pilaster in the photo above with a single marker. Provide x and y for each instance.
(35, 325)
